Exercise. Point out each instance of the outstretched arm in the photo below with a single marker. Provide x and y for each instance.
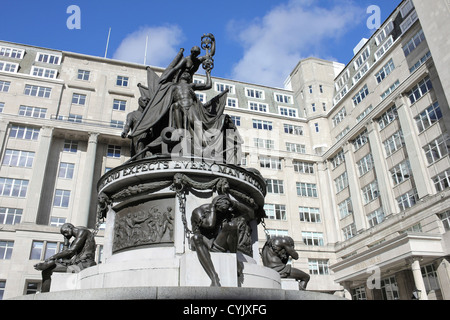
(203, 86)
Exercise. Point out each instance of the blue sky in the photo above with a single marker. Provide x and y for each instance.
(258, 41)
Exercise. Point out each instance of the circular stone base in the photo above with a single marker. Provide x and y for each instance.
(180, 293)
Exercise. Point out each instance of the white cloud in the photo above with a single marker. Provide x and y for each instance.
(275, 43)
(163, 45)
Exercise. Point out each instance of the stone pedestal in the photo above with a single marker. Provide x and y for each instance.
(147, 252)
(148, 206)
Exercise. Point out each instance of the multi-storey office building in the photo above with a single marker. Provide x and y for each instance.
(356, 156)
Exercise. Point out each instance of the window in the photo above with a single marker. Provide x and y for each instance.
(407, 200)
(370, 192)
(430, 277)
(390, 90)
(66, 170)
(341, 94)
(414, 43)
(338, 159)
(113, 151)
(360, 140)
(24, 133)
(32, 287)
(221, 87)
(349, 231)
(198, 81)
(384, 33)
(306, 189)
(283, 98)
(2, 105)
(18, 158)
(4, 86)
(362, 58)
(303, 167)
(401, 172)
(2, 288)
(358, 76)
(339, 117)
(201, 97)
(122, 81)
(341, 182)
(275, 211)
(83, 75)
(62, 198)
(345, 208)
(420, 90)
(394, 143)
(75, 118)
(292, 129)
(428, 117)
(10, 216)
(79, 99)
(6, 248)
(41, 250)
(385, 71)
(13, 187)
(119, 105)
(409, 21)
(11, 52)
(57, 221)
(70, 146)
(236, 120)
(37, 91)
(442, 181)
(44, 72)
(48, 58)
(343, 133)
(310, 89)
(384, 48)
(277, 233)
(437, 149)
(312, 238)
(359, 293)
(389, 289)
(288, 112)
(376, 217)
(254, 93)
(295, 147)
(117, 124)
(275, 186)
(311, 215)
(420, 62)
(406, 8)
(232, 102)
(365, 164)
(264, 143)
(262, 125)
(445, 218)
(33, 112)
(316, 126)
(318, 266)
(9, 67)
(361, 95)
(388, 117)
(255, 106)
(342, 80)
(270, 163)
